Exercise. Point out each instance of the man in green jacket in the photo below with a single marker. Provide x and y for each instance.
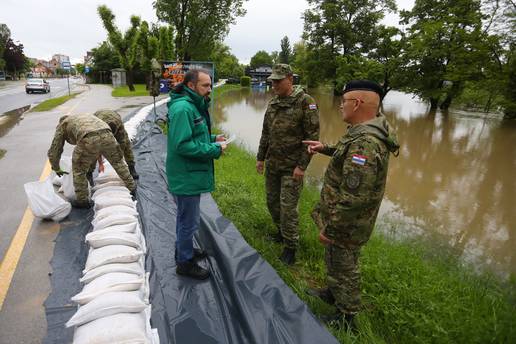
(352, 192)
(190, 153)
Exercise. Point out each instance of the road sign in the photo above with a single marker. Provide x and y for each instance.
(66, 65)
(86, 69)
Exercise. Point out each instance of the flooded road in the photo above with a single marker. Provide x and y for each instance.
(455, 177)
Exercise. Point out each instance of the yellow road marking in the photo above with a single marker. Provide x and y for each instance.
(14, 252)
(12, 257)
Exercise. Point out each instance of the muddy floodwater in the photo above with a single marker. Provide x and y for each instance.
(454, 180)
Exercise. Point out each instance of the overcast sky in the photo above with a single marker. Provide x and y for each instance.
(72, 27)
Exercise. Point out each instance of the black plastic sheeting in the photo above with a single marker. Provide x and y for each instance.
(244, 300)
(70, 253)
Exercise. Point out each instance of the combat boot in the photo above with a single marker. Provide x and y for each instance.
(191, 269)
(276, 237)
(81, 204)
(288, 256)
(133, 172)
(322, 293)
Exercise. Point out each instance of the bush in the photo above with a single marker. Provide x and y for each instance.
(245, 81)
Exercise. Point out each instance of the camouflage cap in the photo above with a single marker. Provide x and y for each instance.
(280, 71)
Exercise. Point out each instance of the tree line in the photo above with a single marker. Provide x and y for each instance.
(12, 57)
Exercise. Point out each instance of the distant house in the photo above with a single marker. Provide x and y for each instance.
(260, 73)
(41, 70)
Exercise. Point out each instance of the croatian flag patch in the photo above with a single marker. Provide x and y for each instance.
(359, 159)
(312, 106)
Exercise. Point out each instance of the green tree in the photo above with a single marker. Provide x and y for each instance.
(261, 58)
(285, 52)
(275, 57)
(335, 28)
(79, 67)
(15, 60)
(445, 48)
(166, 43)
(124, 44)
(226, 64)
(5, 34)
(149, 47)
(104, 59)
(299, 60)
(198, 24)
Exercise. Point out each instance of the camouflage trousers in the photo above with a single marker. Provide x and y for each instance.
(283, 193)
(344, 277)
(87, 152)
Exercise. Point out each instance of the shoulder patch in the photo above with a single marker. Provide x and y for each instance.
(358, 159)
(312, 106)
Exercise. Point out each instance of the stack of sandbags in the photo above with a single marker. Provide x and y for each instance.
(114, 302)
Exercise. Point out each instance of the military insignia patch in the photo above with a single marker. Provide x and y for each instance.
(358, 159)
(353, 181)
(312, 106)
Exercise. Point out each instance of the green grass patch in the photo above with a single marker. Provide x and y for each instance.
(2, 153)
(123, 91)
(412, 292)
(49, 104)
(218, 91)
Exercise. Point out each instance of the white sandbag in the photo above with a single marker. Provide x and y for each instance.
(44, 202)
(106, 178)
(126, 228)
(135, 268)
(118, 328)
(103, 238)
(111, 254)
(116, 209)
(113, 281)
(105, 202)
(113, 219)
(108, 184)
(106, 305)
(111, 189)
(112, 195)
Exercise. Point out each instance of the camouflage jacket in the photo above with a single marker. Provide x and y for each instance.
(287, 122)
(72, 129)
(354, 182)
(113, 119)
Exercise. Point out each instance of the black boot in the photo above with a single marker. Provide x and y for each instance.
(322, 293)
(191, 269)
(81, 204)
(288, 256)
(276, 237)
(132, 170)
(198, 254)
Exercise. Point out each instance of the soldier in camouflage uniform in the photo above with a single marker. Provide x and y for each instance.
(353, 189)
(291, 117)
(113, 119)
(92, 138)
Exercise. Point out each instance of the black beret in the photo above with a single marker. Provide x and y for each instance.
(363, 85)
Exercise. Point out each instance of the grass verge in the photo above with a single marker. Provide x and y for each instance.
(49, 104)
(123, 91)
(2, 153)
(412, 293)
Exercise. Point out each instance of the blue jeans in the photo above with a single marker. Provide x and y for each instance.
(187, 222)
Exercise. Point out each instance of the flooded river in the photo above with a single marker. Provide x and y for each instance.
(455, 177)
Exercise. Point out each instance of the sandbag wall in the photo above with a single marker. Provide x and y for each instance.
(114, 302)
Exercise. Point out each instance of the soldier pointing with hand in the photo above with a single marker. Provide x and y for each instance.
(352, 191)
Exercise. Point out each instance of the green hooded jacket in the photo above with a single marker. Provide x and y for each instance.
(191, 148)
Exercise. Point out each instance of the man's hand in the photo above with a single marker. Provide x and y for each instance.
(220, 138)
(259, 167)
(323, 239)
(298, 174)
(223, 147)
(60, 172)
(313, 146)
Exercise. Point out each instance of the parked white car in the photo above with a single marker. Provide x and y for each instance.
(37, 85)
